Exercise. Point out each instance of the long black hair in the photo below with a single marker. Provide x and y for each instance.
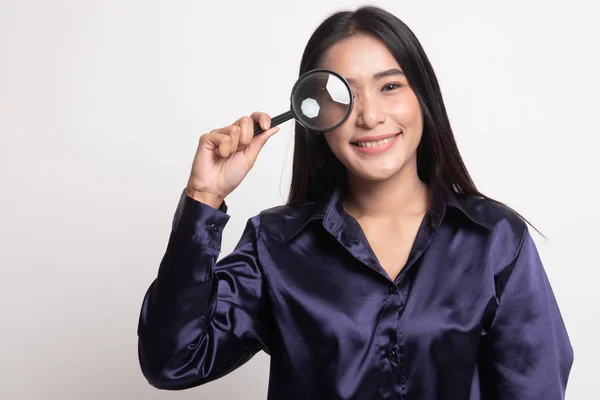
(316, 169)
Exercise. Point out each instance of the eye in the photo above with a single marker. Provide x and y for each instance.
(391, 86)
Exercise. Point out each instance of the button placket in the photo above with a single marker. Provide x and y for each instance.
(403, 298)
(402, 369)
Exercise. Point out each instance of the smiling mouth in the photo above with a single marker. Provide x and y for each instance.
(375, 143)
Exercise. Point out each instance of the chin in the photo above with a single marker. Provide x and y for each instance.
(375, 175)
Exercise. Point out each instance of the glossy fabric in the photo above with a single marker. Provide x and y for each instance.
(471, 316)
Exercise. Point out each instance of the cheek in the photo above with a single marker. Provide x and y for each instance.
(408, 112)
(335, 139)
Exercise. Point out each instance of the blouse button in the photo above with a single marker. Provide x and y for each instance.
(391, 355)
(213, 227)
(392, 289)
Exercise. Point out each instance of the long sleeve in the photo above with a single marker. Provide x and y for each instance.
(201, 319)
(527, 353)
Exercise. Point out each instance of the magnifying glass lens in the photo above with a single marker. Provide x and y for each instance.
(321, 101)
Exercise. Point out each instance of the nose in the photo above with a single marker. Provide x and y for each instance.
(369, 113)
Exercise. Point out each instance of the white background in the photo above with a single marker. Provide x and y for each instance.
(101, 107)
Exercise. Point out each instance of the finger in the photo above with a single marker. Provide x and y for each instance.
(234, 132)
(263, 119)
(213, 138)
(247, 134)
(217, 141)
(225, 147)
(246, 125)
(258, 143)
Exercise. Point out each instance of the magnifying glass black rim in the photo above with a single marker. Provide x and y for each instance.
(314, 71)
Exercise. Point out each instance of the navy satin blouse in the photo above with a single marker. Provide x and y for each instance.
(471, 315)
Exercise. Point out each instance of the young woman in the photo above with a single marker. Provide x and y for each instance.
(386, 275)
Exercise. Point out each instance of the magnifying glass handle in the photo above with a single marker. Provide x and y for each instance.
(280, 119)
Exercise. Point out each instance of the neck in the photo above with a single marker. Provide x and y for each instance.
(401, 195)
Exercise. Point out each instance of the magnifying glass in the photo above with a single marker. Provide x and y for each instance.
(321, 100)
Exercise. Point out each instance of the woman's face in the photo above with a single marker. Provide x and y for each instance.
(381, 135)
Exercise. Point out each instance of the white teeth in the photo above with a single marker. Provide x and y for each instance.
(377, 143)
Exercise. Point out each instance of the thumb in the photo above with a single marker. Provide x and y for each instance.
(258, 143)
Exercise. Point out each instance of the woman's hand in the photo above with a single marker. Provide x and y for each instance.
(225, 156)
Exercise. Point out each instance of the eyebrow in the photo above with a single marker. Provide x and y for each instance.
(382, 74)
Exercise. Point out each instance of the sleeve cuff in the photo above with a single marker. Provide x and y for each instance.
(202, 222)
